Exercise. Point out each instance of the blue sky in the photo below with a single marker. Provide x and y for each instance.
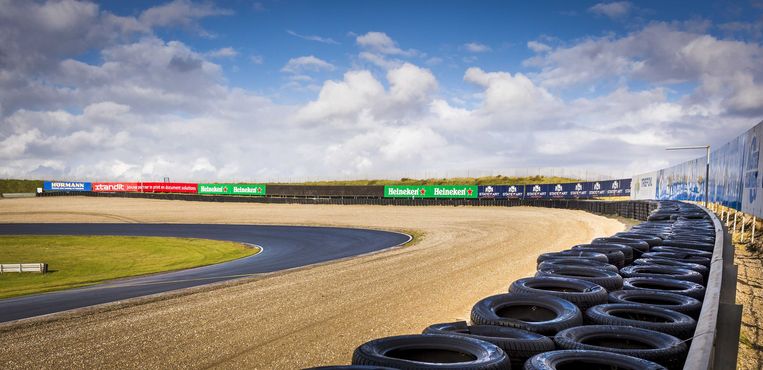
(349, 89)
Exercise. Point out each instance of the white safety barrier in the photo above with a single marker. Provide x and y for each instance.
(23, 267)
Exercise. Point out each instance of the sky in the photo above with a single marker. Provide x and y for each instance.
(308, 90)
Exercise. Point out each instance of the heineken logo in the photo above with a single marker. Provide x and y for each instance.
(424, 191)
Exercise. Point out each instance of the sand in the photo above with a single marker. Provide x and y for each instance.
(305, 317)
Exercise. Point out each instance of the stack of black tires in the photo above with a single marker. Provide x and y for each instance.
(629, 301)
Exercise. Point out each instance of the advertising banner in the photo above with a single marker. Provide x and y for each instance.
(115, 187)
(430, 191)
(501, 191)
(167, 187)
(644, 186)
(610, 188)
(537, 191)
(145, 187)
(66, 186)
(581, 190)
(232, 189)
(563, 190)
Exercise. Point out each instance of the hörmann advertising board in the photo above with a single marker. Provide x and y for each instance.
(67, 186)
(233, 189)
(431, 191)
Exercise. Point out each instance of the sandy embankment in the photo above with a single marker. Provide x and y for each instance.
(312, 316)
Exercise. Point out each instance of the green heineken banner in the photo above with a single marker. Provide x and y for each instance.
(430, 191)
(232, 189)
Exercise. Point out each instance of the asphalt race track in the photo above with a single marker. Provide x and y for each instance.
(284, 247)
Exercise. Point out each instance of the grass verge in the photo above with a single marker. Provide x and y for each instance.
(75, 261)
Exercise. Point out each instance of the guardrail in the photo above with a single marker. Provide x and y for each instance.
(716, 339)
(636, 209)
(23, 267)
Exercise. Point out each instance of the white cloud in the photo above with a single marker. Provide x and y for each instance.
(257, 59)
(150, 108)
(474, 47)
(538, 47)
(306, 63)
(379, 42)
(612, 10)
(324, 40)
(728, 72)
(179, 13)
(226, 52)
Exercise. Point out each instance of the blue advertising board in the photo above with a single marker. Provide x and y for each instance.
(67, 186)
(609, 188)
(501, 191)
(537, 191)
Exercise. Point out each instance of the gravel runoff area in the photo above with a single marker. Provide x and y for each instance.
(304, 317)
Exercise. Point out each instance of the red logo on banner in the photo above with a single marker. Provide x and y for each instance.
(115, 187)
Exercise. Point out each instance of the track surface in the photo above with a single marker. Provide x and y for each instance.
(284, 247)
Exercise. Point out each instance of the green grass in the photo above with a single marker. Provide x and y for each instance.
(75, 261)
(485, 180)
(19, 186)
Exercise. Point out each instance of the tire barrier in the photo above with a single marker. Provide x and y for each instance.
(543, 314)
(518, 344)
(659, 284)
(582, 293)
(642, 316)
(609, 280)
(587, 359)
(431, 351)
(676, 302)
(638, 317)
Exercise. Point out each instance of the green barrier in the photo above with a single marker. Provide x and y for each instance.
(430, 191)
(233, 189)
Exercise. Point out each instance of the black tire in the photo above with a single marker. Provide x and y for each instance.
(518, 344)
(582, 293)
(669, 262)
(579, 359)
(670, 272)
(627, 251)
(577, 262)
(609, 280)
(431, 351)
(666, 248)
(650, 238)
(542, 314)
(638, 246)
(683, 257)
(646, 344)
(671, 301)
(686, 288)
(614, 257)
(573, 254)
(350, 367)
(642, 316)
(699, 245)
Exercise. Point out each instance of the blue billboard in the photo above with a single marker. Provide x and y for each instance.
(501, 191)
(593, 189)
(67, 186)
